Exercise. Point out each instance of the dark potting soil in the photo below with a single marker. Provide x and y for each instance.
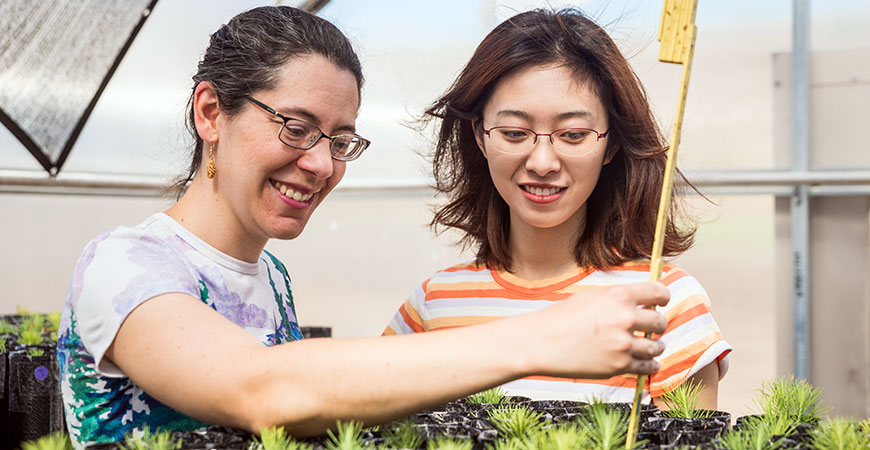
(211, 438)
(542, 405)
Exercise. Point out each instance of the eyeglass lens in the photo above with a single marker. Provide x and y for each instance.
(304, 135)
(570, 141)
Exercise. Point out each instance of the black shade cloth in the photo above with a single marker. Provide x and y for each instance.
(56, 58)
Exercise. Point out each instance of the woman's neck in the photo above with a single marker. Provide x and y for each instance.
(206, 215)
(540, 253)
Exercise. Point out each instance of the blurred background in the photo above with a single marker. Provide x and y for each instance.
(370, 245)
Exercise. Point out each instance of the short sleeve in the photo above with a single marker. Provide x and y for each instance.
(692, 338)
(408, 319)
(116, 273)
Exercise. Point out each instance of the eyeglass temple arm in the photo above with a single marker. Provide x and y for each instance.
(261, 105)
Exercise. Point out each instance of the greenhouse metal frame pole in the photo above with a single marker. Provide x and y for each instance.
(800, 199)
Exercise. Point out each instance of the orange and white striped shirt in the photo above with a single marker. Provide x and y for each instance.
(468, 294)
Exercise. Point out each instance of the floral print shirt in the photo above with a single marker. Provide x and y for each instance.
(125, 267)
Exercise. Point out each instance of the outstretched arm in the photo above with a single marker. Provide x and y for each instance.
(202, 364)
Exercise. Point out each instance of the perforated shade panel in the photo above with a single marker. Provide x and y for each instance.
(56, 58)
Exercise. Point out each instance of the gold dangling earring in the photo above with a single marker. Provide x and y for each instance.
(210, 169)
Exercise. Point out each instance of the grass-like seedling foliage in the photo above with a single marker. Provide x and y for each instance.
(448, 443)
(508, 444)
(515, 421)
(403, 436)
(54, 441)
(32, 322)
(2, 346)
(348, 436)
(568, 436)
(159, 440)
(754, 435)
(31, 337)
(277, 439)
(607, 427)
(53, 319)
(682, 401)
(795, 400)
(840, 434)
(7, 328)
(492, 396)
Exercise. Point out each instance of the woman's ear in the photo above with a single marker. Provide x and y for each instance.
(206, 111)
(477, 129)
(609, 153)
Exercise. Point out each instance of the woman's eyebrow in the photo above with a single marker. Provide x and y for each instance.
(574, 114)
(514, 113)
(304, 114)
(582, 114)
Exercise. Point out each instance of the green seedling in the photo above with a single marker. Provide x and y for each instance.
(513, 443)
(277, 439)
(348, 436)
(795, 400)
(840, 434)
(54, 441)
(31, 338)
(403, 436)
(7, 328)
(777, 425)
(448, 443)
(492, 396)
(682, 401)
(568, 436)
(32, 322)
(607, 427)
(160, 440)
(515, 421)
(865, 425)
(2, 346)
(753, 435)
(54, 321)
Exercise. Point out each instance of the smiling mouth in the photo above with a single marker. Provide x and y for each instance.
(541, 191)
(290, 193)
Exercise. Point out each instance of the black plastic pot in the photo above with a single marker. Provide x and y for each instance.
(316, 332)
(4, 402)
(214, 438)
(34, 397)
(682, 431)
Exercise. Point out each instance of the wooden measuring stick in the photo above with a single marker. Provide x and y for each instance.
(677, 35)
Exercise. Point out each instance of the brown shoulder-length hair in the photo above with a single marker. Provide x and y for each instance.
(621, 211)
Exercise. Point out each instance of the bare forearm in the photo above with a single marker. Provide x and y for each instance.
(209, 368)
(379, 379)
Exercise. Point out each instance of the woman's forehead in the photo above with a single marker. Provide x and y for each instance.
(545, 92)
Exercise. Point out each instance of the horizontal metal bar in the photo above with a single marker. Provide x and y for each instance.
(779, 177)
(746, 182)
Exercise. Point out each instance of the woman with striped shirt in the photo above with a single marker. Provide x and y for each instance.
(552, 164)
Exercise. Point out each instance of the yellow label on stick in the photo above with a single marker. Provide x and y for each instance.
(677, 30)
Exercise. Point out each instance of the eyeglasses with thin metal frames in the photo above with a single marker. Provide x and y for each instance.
(534, 134)
(354, 142)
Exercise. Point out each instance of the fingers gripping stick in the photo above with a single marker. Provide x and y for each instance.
(677, 35)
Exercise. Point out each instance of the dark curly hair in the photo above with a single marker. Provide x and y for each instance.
(621, 211)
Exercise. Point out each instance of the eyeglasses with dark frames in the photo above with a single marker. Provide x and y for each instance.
(567, 141)
(303, 135)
